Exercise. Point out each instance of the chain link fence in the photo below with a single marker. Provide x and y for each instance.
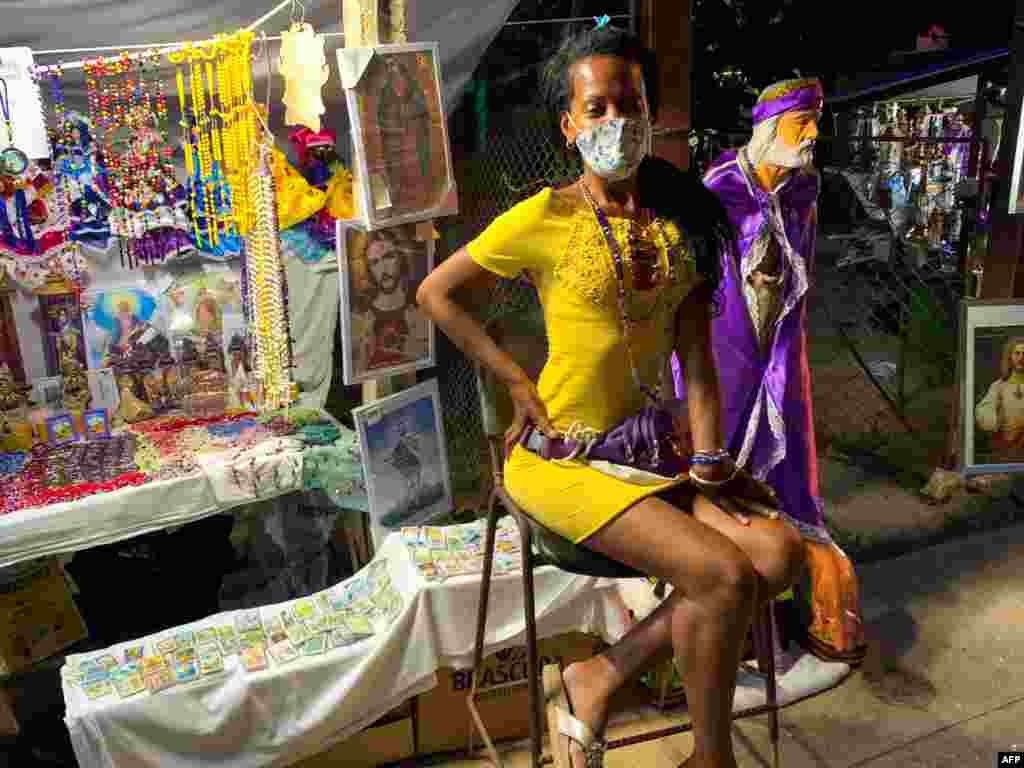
(516, 162)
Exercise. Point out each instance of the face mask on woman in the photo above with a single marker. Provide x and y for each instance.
(614, 148)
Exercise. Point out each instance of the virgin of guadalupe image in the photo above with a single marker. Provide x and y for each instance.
(405, 127)
(1001, 412)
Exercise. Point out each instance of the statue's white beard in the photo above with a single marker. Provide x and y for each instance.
(783, 156)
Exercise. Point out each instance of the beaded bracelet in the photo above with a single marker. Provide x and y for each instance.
(710, 457)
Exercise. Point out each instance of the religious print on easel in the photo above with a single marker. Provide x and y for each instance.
(405, 459)
(403, 168)
(992, 386)
(383, 331)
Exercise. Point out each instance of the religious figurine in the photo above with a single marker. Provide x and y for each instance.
(12, 396)
(239, 378)
(76, 385)
(131, 409)
(770, 190)
(209, 381)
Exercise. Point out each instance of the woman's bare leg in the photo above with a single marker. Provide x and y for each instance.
(708, 617)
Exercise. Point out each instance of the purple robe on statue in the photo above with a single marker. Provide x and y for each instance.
(766, 398)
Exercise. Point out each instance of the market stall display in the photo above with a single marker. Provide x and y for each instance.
(342, 680)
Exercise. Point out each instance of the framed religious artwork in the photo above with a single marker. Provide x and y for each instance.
(48, 392)
(405, 459)
(122, 325)
(60, 430)
(96, 424)
(991, 380)
(383, 332)
(63, 335)
(403, 165)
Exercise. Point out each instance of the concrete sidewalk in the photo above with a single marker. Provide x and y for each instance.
(943, 685)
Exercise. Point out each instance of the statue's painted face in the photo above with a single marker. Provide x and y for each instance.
(797, 136)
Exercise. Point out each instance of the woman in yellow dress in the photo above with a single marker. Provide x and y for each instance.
(666, 232)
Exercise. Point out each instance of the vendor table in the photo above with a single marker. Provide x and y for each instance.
(105, 518)
(281, 715)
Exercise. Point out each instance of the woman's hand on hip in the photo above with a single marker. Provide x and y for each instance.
(529, 410)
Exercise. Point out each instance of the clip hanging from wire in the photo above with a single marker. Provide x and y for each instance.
(602, 21)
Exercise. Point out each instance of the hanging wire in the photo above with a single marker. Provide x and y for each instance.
(566, 21)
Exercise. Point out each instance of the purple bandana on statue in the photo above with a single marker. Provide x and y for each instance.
(809, 97)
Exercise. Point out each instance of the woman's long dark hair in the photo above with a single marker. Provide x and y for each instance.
(673, 194)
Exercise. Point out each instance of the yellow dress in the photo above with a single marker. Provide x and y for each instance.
(587, 380)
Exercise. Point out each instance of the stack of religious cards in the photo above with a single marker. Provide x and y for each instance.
(283, 652)
(246, 621)
(156, 673)
(253, 656)
(228, 639)
(211, 662)
(186, 667)
(133, 653)
(128, 680)
(207, 635)
(315, 646)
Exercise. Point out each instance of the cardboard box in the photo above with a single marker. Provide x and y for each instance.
(38, 616)
(389, 740)
(502, 696)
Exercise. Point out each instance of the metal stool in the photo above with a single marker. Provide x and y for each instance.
(518, 335)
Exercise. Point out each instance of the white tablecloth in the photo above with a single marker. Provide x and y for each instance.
(285, 714)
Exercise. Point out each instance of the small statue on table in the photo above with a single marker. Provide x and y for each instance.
(132, 407)
(239, 376)
(209, 381)
(77, 396)
(12, 395)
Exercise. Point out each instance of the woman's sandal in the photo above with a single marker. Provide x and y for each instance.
(563, 723)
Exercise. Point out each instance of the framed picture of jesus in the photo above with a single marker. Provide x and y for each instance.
(992, 386)
(403, 166)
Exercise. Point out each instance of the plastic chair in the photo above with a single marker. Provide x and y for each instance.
(522, 335)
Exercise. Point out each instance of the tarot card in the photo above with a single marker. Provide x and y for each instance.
(440, 555)
(275, 630)
(133, 653)
(248, 620)
(108, 663)
(315, 646)
(228, 640)
(71, 675)
(211, 662)
(507, 547)
(254, 637)
(128, 681)
(455, 540)
(297, 633)
(422, 555)
(253, 657)
(319, 625)
(304, 610)
(431, 573)
(205, 636)
(283, 652)
(473, 535)
(185, 667)
(359, 625)
(434, 537)
(340, 637)
(95, 674)
(156, 673)
(167, 647)
(411, 536)
(98, 690)
(472, 565)
(185, 638)
(451, 568)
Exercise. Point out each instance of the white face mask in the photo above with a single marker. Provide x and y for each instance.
(614, 148)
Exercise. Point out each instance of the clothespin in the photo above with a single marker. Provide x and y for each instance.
(601, 21)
